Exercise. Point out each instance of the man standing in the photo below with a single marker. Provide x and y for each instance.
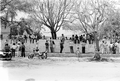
(47, 46)
(14, 47)
(63, 38)
(22, 50)
(61, 46)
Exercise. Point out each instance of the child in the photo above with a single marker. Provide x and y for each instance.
(78, 53)
(47, 46)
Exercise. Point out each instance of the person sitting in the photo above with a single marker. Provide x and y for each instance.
(6, 50)
(37, 50)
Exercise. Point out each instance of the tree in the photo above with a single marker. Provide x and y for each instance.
(112, 26)
(9, 10)
(91, 16)
(52, 13)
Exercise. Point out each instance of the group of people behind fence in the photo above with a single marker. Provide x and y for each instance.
(16, 49)
(51, 44)
(77, 39)
(111, 48)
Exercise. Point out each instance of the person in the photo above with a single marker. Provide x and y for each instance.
(13, 48)
(36, 38)
(6, 50)
(105, 47)
(117, 47)
(76, 39)
(25, 37)
(114, 48)
(30, 38)
(102, 46)
(22, 49)
(47, 46)
(18, 48)
(63, 38)
(1, 36)
(110, 48)
(37, 50)
(61, 46)
(78, 53)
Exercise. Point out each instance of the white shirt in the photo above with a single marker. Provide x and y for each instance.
(14, 46)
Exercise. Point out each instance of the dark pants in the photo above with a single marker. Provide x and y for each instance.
(36, 39)
(51, 48)
(13, 52)
(22, 54)
(114, 51)
(47, 49)
(61, 49)
(33, 40)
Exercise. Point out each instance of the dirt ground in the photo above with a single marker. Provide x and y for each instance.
(60, 69)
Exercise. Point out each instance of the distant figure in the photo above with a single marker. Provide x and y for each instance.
(78, 53)
(22, 49)
(117, 47)
(30, 38)
(25, 37)
(18, 48)
(47, 45)
(63, 38)
(1, 36)
(7, 48)
(76, 39)
(61, 46)
(37, 50)
(110, 47)
(114, 48)
(13, 48)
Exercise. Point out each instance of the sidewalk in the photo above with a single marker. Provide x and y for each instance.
(82, 55)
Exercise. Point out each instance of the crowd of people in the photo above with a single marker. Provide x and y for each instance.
(111, 47)
(24, 38)
(83, 38)
(18, 47)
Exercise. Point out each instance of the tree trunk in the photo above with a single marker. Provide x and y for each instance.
(6, 18)
(54, 35)
(97, 49)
